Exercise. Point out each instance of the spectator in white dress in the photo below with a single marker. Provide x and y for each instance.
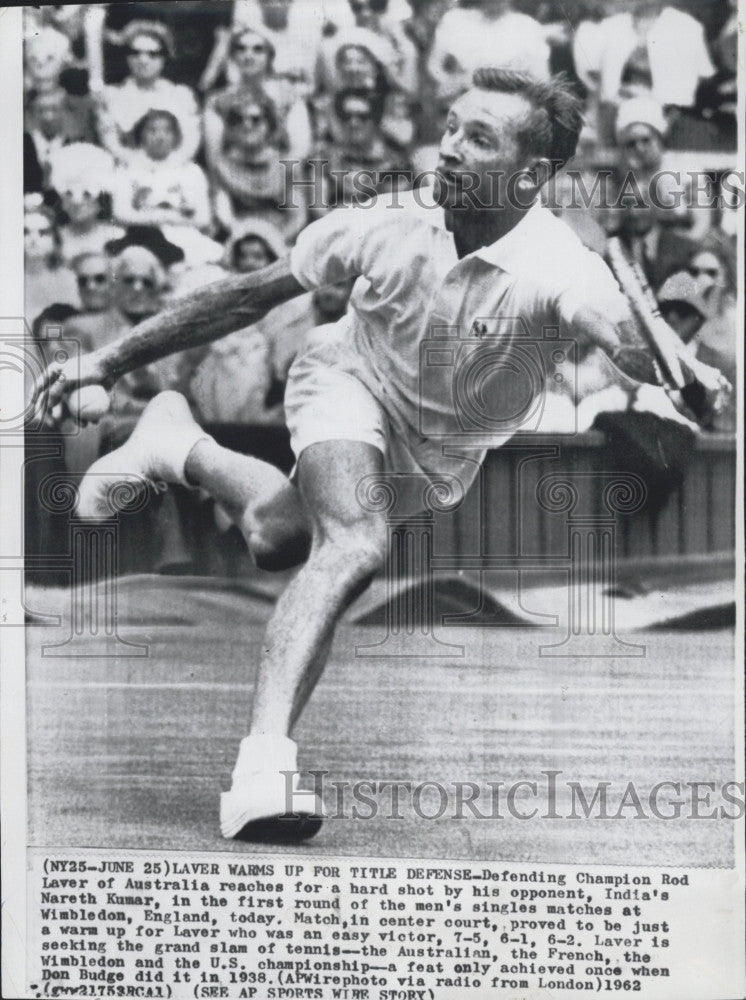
(485, 33)
(149, 45)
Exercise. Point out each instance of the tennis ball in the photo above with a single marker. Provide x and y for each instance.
(89, 404)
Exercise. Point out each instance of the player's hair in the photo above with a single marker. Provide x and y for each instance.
(553, 127)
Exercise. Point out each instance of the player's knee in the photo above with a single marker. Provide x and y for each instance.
(274, 553)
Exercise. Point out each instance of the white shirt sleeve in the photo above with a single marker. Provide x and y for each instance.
(591, 287)
(331, 249)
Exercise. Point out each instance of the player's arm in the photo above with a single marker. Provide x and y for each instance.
(202, 316)
(615, 331)
(618, 313)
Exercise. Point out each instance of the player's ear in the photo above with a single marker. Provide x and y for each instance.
(531, 179)
(541, 171)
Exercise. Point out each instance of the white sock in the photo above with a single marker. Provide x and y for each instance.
(265, 752)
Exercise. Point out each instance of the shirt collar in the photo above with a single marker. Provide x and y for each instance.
(510, 248)
(503, 253)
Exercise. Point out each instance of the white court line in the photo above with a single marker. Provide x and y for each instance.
(187, 686)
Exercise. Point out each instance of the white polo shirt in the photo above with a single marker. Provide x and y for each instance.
(453, 350)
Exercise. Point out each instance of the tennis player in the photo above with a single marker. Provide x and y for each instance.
(480, 246)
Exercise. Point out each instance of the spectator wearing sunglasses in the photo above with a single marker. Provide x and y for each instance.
(361, 161)
(94, 280)
(358, 58)
(249, 59)
(712, 272)
(294, 28)
(249, 179)
(140, 282)
(653, 207)
(148, 45)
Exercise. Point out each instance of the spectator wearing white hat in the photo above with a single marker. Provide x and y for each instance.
(644, 48)
(149, 45)
(46, 52)
(82, 176)
(640, 131)
(358, 58)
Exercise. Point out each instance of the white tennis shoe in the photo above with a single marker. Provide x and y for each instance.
(265, 803)
(156, 450)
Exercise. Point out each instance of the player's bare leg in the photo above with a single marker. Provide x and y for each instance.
(347, 549)
(167, 444)
(259, 499)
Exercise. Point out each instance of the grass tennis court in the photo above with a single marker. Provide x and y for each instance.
(132, 752)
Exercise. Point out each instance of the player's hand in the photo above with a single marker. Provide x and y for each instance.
(707, 386)
(61, 379)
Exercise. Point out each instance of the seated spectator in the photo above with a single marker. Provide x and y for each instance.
(711, 268)
(231, 383)
(642, 172)
(645, 49)
(94, 279)
(82, 25)
(252, 246)
(683, 307)
(251, 57)
(294, 27)
(288, 327)
(249, 179)
(47, 279)
(158, 188)
(357, 161)
(193, 25)
(51, 124)
(141, 263)
(658, 250)
(149, 45)
(484, 33)
(82, 176)
(372, 15)
(230, 379)
(360, 59)
(357, 58)
(46, 53)
(711, 123)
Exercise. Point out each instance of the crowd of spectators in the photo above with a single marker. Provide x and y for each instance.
(164, 143)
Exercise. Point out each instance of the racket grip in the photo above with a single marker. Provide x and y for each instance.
(695, 397)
